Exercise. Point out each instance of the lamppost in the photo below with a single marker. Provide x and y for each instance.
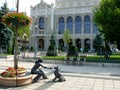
(35, 48)
(16, 42)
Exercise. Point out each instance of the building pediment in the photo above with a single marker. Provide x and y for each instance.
(42, 5)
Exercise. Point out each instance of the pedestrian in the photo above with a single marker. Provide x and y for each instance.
(37, 70)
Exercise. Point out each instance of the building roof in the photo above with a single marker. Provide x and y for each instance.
(75, 3)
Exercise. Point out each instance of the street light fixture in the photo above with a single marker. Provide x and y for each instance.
(16, 42)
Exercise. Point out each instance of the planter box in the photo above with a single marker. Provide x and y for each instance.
(17, 81)
(21, 73)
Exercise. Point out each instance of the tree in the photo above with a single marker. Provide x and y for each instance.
(52, 41)
(52, 51)
(66, 38)
(5, 36)
(97, 42)
(24, 31)
(16, 20)
(6, 33)
(107, 17)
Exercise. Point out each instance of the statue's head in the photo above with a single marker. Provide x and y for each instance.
(39, 60)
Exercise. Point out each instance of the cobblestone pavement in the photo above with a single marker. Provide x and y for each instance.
(77, 77)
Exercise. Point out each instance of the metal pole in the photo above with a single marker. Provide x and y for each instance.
(35, 42)
(54, 54)
(16, 47)
(16, 43)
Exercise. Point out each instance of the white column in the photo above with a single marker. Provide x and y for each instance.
(91, 43)
(65, 23)
(46, 11)
(82, 27)
(91, 27)
(52, 18)
(46, 44)
(73, 29)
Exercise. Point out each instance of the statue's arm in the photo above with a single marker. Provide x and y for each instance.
(45, 66)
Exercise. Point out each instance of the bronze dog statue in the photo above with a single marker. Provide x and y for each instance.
(58, 75)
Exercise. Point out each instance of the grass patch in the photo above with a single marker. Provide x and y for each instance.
(60, 58)
(94, 58)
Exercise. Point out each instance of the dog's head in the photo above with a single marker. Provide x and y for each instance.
(56, 67)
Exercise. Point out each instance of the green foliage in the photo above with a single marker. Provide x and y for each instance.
(4, 10)
(90, 58)
(9, 51)
(107, 17)
(52, 41)
(102, 51)
(6, 34)
(52, 48)
(66, 37)
(86, 49)
(61, 48)
(15, 19)
(97, 42)
(51, 51)
(58, 58)
(24, 31)
(31, 48)
(72, 51)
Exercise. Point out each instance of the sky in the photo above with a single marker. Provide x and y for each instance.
(24, 5)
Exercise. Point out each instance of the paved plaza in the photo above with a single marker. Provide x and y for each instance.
(77, 77)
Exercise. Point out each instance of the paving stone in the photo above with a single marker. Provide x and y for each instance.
(77, 77)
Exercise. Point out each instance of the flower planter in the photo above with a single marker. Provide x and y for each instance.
(11, 77)
(17, 81)
(21, 73)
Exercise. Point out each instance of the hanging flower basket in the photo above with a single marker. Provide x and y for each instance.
(16, 20)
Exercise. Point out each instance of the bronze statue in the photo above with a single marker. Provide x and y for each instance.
(38, 71)
(58, 75)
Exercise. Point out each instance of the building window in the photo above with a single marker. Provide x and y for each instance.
(61, 25)
(87, 23)
(41, 23)
(95, 28)
(70, 24)
(78, 25)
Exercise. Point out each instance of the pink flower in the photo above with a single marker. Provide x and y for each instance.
(11, 72)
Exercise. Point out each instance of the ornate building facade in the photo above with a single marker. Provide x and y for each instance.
(73, 15)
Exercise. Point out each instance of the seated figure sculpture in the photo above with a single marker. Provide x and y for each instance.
(36, 70)
(58, 75)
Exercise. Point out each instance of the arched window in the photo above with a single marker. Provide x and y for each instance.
(78, 25)
(87, 23)
(61, 25)
(41, 23)
(95, 28)
(70, 24)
